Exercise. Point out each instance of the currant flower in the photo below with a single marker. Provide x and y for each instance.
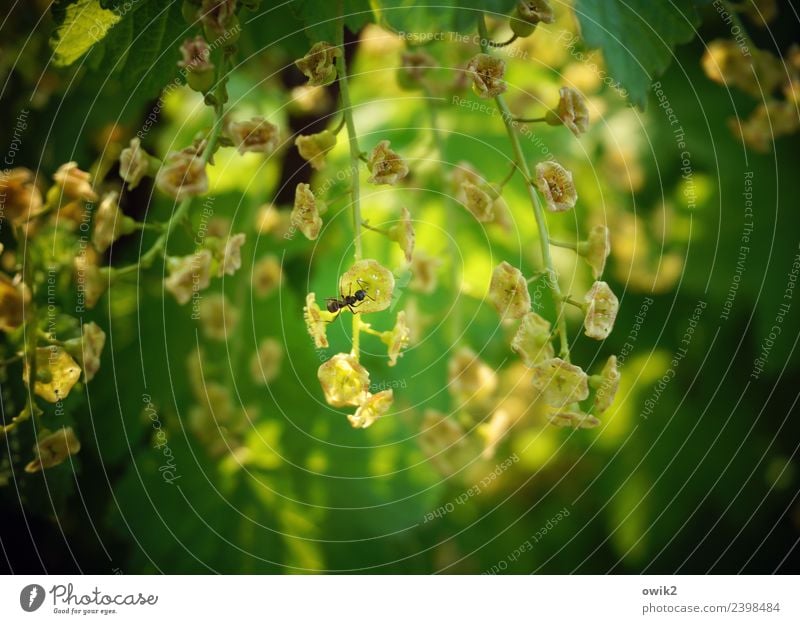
(314, 147)
(182, 175)
(373, 278)
(606, 384)
(87, 349)
(231, 260)
(508, 292)
(254, 135)
(219, 19)
(265, 365)
(470, 379)
(403, 234)
(571, 111)
(528, 13)
(188, 275)
(488, 73)
(110, 223)
(317, 321)
(532, 340)
(53, 448)
(478, 202)
(424, 269)
(601, 306)
(494, 431)
(14, 296)
(385, 165)
(556, 186)
(306, 211)
(397, 338)
(373, 407)
(91, 280)
(559, 383)
(196, 56)
(74, 183)
(218, 317)
(318, 64)
(571, 417)
(21, 199)
(135, 163)
(413, 68)
(56, 373)
(267, 275)
(344, 381)
(596, 249)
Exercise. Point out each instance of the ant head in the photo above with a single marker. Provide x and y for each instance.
(360, 295)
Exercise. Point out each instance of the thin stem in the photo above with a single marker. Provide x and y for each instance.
(510, 174)
(538, 211)
(573, 302)
(367, 226)
(564, 244)
(529, 119)
(503, 44)
(340, 125)
(355, 156)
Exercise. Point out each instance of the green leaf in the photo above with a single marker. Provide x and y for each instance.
(637, 37)
(459, 15)
(85, 23)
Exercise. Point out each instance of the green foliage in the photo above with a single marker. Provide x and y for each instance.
(637, 37)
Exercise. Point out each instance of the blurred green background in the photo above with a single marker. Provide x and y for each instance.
(705, 481)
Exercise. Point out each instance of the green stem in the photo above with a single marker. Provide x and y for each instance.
(503, 44)
(529, 119)
(29, 329)
(355, 156)
(509, 175)
(538, 210)
(564, 244)
(367, 226)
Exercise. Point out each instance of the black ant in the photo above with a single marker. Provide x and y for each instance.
(335, 305)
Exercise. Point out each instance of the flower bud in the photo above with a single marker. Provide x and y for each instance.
(528, 13)
(375, 406)
(532, 340)
(135, 164)
(385, 165)
(314, 147)
(488, 73)
(344, 381)
(601, 306)
(306, 211)
(559, 383)
(20, 200)
(412, 70)
(571, 111)
(74, 183)
(110, 223)
(188, 275)
(556, 186)
(508, 292)
(318, 64)
(182, 175)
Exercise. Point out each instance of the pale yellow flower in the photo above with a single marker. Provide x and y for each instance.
(344, 381)
(397, 338)
(488, 75)
(20, 199)
(424, 269)
(14, 295)
(91, 280)
(508, 292)
(218, 317)
(374, 279)
(559, 383)
(56, 373)
(571, 111)
(533, 340)
(317, 321)
(314, 147)
(231, 260)
(373, 407)
(134, 163)
(556, 186)
(265, 365)
(74, 183)
(494, 431)
(87, 349)
(53, 448)
(607, 385)
(188, 275)
(306, 211)
(182, 175)
(319, 64)
(109, 222)
(267, 275)
(254, 135)
(470, 379)
(601, 306)
(385, 165)
(596, 249)
(403, 234)
(571, 417)
(478, 202)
